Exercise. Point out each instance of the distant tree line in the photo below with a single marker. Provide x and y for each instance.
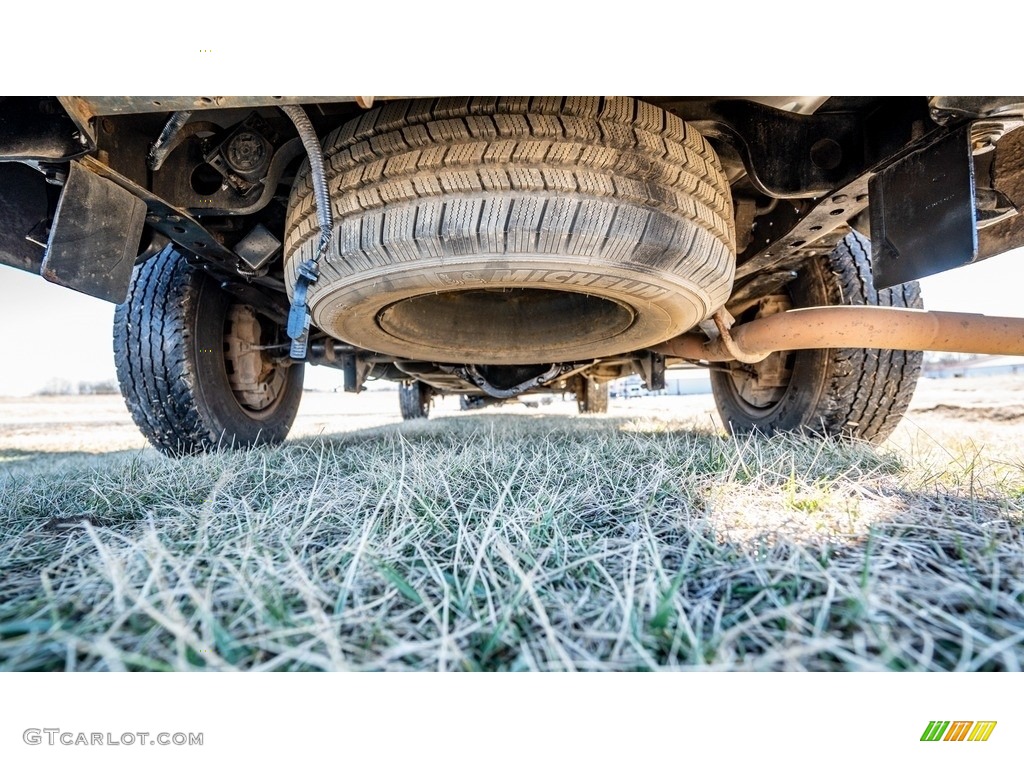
(55, 387)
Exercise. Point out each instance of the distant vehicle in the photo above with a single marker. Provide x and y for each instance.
(628, 388)
(492, 247)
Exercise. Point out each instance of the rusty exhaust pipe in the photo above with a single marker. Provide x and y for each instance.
(851, 327)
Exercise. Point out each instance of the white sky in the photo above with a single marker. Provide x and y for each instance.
(48, 332)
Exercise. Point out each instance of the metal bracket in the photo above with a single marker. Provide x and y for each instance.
(791, 232)
(770, 139)
(355, 370)
(83, 118)
(652, 370)
(174, 223)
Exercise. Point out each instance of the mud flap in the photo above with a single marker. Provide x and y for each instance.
(95, 236)
(923, 214)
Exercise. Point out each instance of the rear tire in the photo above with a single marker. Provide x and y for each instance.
(592, 397)
(179, 349)
(414, 400)
(860, 393)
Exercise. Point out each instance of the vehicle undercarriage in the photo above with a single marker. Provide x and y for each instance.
(496, 247)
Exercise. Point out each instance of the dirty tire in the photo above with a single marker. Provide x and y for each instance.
(860, 393)
(169, 350)
(606, 222)
(414, 400)
(592, 397)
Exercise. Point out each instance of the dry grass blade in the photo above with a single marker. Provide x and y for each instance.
(512, 543)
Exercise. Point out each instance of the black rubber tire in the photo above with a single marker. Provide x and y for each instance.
(592, 397)
(169, 339)
(860, 393)
(414, 400)
(609, 219)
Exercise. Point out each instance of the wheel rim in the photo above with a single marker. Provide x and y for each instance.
(760, 387)
(256, 381)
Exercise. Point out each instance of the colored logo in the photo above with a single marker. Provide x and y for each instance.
(958, 730)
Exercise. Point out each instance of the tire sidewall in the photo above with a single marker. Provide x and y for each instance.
(672, 304)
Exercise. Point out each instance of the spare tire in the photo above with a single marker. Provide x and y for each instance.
(516, 230)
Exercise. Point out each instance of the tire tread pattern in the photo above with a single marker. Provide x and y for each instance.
(593, 397)
(414, 400)
(612, 178)
(870, 389)
(156, 376)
